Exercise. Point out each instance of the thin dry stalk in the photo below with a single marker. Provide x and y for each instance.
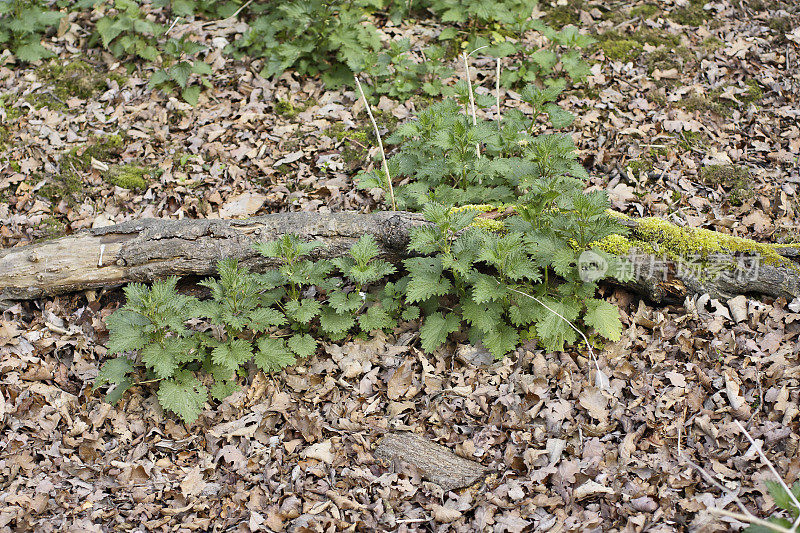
(471, 101)
(752, 520)
(772, 469)
(497, 92)
(380, 144)
(602, 379)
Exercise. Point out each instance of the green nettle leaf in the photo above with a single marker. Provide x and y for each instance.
(410, 312)
(501, 340)
(376, 318)
(273, 355)
(160, 360)
(232, 354)
(113, 372)
(302, 311)
(365, 249)
(603, 316)
(222, 389)
(263, 318)
(344, 302)
(782, 498)
(552, 329)
(191, 94)
(335, 325)
(426, 279)
(303, 345)
(184, 395)
(435, 329)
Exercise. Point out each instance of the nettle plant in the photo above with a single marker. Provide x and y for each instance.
(22, 25)
(127, 31)
(330, 39)
(182, 68)
(269, 319)
(450, 157)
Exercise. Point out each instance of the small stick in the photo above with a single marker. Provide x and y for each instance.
(588, 345)
(471, 97)
(497, 91)
(751, 519)
(172, 25)
(380, 144)
(771, 467)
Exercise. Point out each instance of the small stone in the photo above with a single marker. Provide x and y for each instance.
(738, 307)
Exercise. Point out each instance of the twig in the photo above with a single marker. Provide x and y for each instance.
(751, 519)
(380, 144)
(234, 15)
(172, 25)
(471, 97)
(586, 340)
(771, 467)
(497, 92)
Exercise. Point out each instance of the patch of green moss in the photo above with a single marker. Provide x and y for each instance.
(657, 236)
(626, 47)
(128, 176)
(692, 14)
(46, 99)
(557, 16)
(753, 94)
(782, 25)
(77, 79)
(711, 44)
(667, 58)
(355, 144)
(287, 109)
(66, 186)
(621, 49)
(690, 140)
(645, 11)
(735, 180)
(639, 166)
(49, 228)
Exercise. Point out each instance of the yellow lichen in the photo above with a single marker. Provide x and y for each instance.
(655, 235)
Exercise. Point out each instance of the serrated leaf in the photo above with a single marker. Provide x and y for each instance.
(303, 345)
(273, 355)
(411, 312)
(160, 360)
(501, 340)
(232, 354)
(435, 329)
(335, 325)
(184, 395)
(603, 316)
(553, 330)
(113, 372)
(782, 498)
(191, 94)
(264, 318)
(426, 279)
(303, 311)
(376, 318)
(222, 389)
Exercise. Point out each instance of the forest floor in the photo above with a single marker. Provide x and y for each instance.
(690, 113)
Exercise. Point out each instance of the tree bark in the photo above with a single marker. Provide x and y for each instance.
(149, 249)
(434, 462)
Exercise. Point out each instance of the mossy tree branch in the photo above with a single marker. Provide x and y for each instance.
(154, 248)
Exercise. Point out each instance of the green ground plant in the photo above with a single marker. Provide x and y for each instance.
(126, 31)
(785, 502)
(22, 25)
(182, 69)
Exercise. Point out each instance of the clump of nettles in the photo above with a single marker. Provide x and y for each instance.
(270, 319)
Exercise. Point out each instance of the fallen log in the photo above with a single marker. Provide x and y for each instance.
(434, 462)
(149, 249)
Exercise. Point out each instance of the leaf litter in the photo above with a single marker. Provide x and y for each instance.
(295, 450)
